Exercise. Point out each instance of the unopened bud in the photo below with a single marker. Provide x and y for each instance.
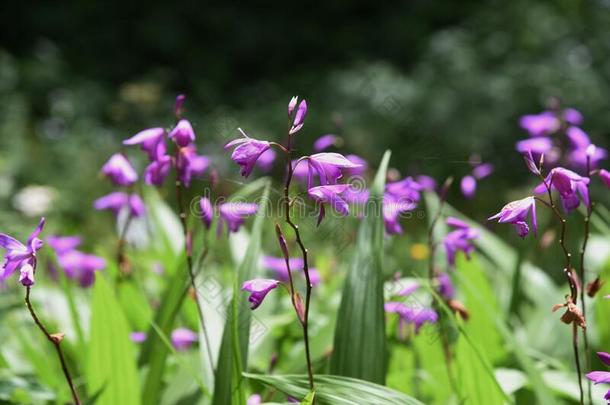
(594, 286)
(282, 240)
(58, 337)
(299, 306)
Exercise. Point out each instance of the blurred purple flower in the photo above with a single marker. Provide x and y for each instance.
(118, 200)
(569, 185)
(150, 140)
(80, 266)
(330, 194)
(357, 170)
(247, 152)
(258, 289)
(255, 400)
(328, 167)
(578, 138)
(183, 338)
(582, 149)
(278, 266)
(178, 106)
(63, 244)
(516, 213)
(392, 207)
(482, 170)
(266, 159)
(207, 211)
(408, 290)
(541, 124)
(605, 176)
(325, 142)
(234, 214)
(426, 182)
(18, 255)
(572, 116)
(183, 133)
(138, 337)
(410, 315)
(119, 170)
(537, 146)
(445, 286)
(355, 196)
(459, 239)
(189, 164)
(468, 185)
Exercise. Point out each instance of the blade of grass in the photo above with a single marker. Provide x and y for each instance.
(359, 343)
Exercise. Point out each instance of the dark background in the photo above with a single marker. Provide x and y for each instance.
(433, 81)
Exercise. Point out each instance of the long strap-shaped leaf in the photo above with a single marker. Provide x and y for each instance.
(359, 346)
(233, 357)
(336, 390)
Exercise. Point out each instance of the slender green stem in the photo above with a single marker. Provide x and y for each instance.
(304, 253)
(56, 341)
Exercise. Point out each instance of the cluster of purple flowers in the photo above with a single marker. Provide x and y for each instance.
(75, 264)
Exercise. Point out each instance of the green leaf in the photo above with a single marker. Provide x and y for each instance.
(359, 344)
(111, 363)
(155, 352)
(233, 357)
(308, 400)
(336, 390)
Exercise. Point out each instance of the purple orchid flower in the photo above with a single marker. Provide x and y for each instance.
(156, 172)
(183, 133)
(569, 185)
(328, 167)
(602, 377)
(299, 117)
(258, 289)
(119, 170)
(330, 194)
(326, 141)
(117, 200)
(247, 152)
(189, 164)
(183, 338)
(406, 189)
(392, 207)
(19, 255)
(516, 213)
(234, 214)
(582, 149)
(459, 239)
(151, 141)
(541, 124)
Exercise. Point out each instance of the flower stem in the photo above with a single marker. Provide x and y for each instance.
(189, 262)
(304, 252)
(582, 276)
(570, 278)
(432, 274)
(56, 341)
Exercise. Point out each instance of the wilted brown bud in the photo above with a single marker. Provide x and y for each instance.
(572, 314)
(459, 308)
(58, 337)
(594, 286)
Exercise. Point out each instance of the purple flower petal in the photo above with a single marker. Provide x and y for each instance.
(119, 170)
(605, 357)
(258, 289)
(325, 142)
(247, 152)
(599, 377)
(63, 244)
(468, 185)
(26, 276)
(207, 211)
(578, 138)
(540, 145)
(149, 139)
(605, 176)
(138, 337)
(183, 338)
(234, 214)
(483, 170)
(183, 133)
(572, 116)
